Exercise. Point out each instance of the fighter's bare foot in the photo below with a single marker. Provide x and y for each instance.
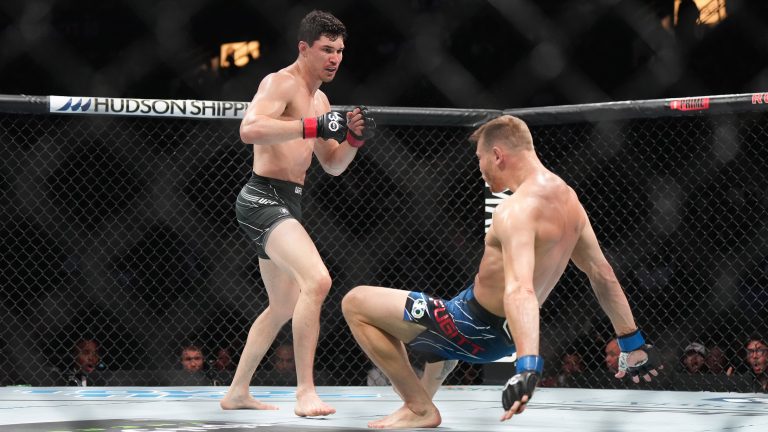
(235, 402)
(405, 418)
(310, 405)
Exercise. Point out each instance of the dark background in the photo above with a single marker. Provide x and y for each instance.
(437, 53)
(123, 229)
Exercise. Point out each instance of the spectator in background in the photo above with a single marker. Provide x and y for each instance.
(284, 361)
(571, 367)
(224, 360)
(716, 361)
(283, 367)
(756, 350)
(693, 359)
(612, 352)
(604, 377)
(85, 361)
(193, 367)
(222, 368)
(192, 359)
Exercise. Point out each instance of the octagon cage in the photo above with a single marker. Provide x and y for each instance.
(119, 227)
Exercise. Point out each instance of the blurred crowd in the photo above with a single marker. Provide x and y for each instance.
(696, 366)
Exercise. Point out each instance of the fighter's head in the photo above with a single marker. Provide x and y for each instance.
(86, 355)
(321, 43)
(496, 141)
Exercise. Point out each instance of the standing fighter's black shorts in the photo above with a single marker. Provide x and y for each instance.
(262, 204)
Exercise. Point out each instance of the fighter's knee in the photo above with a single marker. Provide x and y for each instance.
(320, 284)
(324, 282)
(347, 302)
(351, 301)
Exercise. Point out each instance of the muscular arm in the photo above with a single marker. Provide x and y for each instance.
(262, 123)
(515, 225)
(335, 157)
(589, 258)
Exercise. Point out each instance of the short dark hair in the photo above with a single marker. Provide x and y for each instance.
(505, 129)
(320, 23)
(755, 338)
(193, 348)
(81, 343)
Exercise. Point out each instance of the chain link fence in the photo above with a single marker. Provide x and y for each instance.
(122, 230)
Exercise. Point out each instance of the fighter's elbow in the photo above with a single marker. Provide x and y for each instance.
(249, 134)
(602, 273)
(253, 130)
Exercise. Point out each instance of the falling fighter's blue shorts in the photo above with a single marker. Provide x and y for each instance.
(457, 329)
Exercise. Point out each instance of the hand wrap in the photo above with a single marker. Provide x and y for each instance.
(635, 342)
(529, 369)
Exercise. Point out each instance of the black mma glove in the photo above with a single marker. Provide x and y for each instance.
(369, 129)
(331, 125)
(529, 369)
(635, 342)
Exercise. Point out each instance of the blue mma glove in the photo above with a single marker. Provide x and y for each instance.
(529, 370)
(635, 342)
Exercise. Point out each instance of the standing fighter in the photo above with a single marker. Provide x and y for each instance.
(535, 232)
(289, 119)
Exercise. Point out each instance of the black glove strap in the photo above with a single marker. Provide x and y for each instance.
(522, 384)
(647, 366)
(369, 125)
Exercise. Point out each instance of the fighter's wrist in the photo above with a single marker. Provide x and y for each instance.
(354, 141)
(631, 341)
(530, 363)
(309, 127)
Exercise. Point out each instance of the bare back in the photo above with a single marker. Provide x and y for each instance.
(284, 95)
(543, 211)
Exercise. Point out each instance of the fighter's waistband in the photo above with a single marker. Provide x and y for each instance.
(280, 185)
(484, 315)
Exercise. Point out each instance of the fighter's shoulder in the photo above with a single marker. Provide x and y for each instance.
(282, 81)
(517, 208)
(520, 201)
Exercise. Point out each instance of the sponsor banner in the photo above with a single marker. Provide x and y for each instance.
(147, 107)
(690, 104)
(759, 98)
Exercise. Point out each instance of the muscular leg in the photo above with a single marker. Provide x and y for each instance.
(293, 252)
(375, 317)
(283, 293)
(435, 374)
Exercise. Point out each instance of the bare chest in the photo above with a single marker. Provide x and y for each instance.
(303, 105)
